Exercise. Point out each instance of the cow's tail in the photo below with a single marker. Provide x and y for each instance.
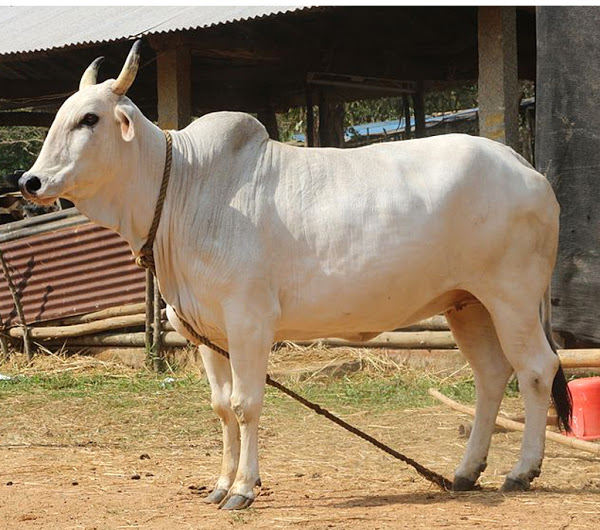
(561, 395)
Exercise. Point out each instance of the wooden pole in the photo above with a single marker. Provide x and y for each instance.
(170, 339)
(19, 307)
(518, 426)
(498, 81)
(157, 350)
(268, 117)
(78, 330)
(119, 311)
(149, 315)
(310, 118)
(4, 346)
(407, 127)
(419, 106)
(434, 323)
(584, 358)
(331, 119)
(439, 340)
(173, 82)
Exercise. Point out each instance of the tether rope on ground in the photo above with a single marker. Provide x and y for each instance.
(146, 260)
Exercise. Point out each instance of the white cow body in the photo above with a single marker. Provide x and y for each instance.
(341, 242)
(260, 241)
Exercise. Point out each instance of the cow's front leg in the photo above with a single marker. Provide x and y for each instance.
(249, 353)
(218, 372)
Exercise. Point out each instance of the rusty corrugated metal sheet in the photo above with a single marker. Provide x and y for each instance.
(66, 266)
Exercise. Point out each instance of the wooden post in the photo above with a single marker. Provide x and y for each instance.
(268, 118)
(157, 351)
(173, 73)
(4, 346)
(17, 301)
(174, 90)
(419, 106)
(498, 80)
(149, 316)
(407, 127)
(310, 118)
(331, 120)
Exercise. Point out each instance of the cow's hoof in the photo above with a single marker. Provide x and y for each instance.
(463, 484)
(236, 502)
(511, 484)
(215, 496)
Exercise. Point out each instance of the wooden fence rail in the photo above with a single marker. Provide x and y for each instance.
(125, 327)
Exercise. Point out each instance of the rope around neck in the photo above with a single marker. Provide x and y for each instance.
(145, 260)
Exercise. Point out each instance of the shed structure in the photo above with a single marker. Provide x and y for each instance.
(261, 59)
(265, 60)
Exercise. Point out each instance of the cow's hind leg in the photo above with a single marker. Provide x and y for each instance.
(527, 349)
(218, 372)
(476, 337)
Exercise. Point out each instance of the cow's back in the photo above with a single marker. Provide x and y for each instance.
(373, 231)
(345, 239)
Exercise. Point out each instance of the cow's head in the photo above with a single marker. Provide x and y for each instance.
(85, 142)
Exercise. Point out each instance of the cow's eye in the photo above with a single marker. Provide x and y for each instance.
(89, 119)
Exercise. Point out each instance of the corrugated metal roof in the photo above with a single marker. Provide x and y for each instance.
(30, 29)
(66, 266)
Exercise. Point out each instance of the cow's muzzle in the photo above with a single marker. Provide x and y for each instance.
(29, 185)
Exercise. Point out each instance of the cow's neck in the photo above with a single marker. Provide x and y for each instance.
(127, 204)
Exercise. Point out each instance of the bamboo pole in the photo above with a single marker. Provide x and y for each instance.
(62, 332)
(434, 323)
(170, 339)
(119, 311)
(583, 358)
(19, 307)
(441, 340)
(518, 426)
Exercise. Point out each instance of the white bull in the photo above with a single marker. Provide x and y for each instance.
(260, 242)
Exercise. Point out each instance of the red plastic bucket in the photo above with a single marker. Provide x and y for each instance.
(586, 407)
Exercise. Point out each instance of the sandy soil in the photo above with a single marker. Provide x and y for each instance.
(61, 468)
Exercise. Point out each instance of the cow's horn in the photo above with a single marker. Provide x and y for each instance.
(129, 71)
(90, 76)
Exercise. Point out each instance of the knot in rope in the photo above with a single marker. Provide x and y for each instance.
(145, 260)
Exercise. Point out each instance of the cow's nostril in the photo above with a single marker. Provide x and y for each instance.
(33, 184)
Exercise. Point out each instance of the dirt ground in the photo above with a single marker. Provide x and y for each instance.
(64, 465)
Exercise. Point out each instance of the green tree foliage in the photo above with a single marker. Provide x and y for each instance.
(19, 147)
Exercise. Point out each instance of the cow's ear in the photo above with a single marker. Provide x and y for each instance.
(124, 118)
